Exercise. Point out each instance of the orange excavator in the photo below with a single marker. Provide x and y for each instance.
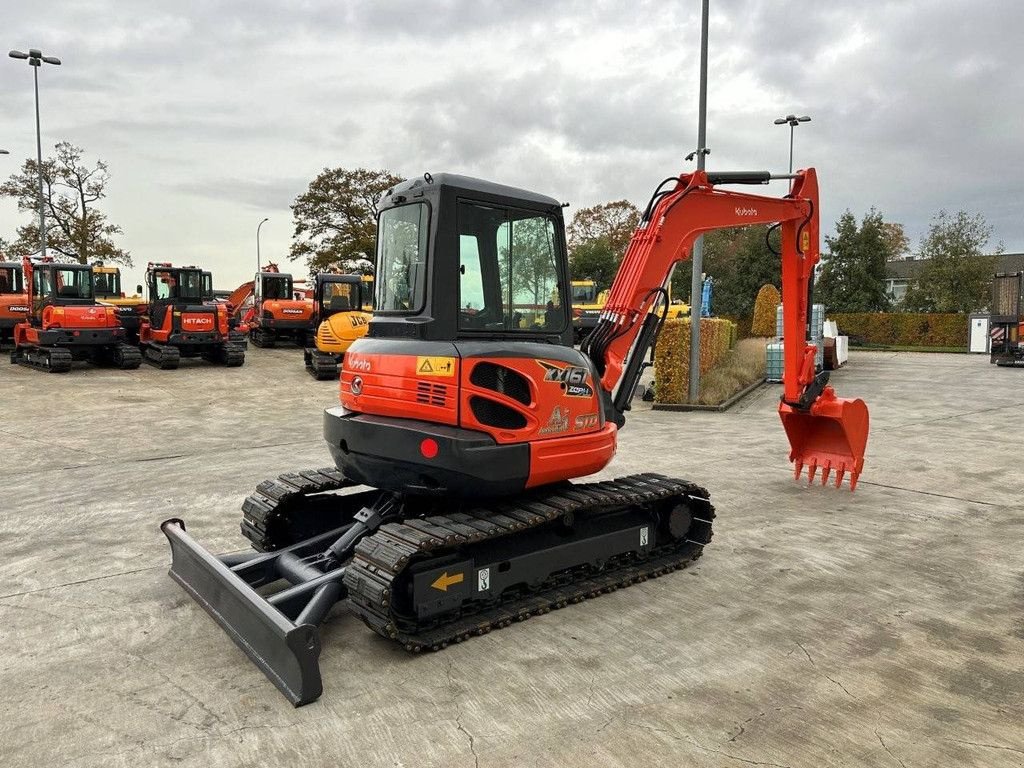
(466, 410)
(179, 323)
(13, 300)
(275, 313)
(65, 322)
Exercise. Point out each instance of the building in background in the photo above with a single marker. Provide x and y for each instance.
(900, 275)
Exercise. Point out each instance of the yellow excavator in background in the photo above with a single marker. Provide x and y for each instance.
(587, 304)
(106, 288)
(342, 306)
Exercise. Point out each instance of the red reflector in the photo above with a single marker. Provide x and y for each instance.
(76, 333)
(429, 448)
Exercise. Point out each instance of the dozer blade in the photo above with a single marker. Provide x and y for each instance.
(831, 437)
(288, 653)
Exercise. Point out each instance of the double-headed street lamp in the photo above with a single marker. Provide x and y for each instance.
(36, 60)
(792, 121)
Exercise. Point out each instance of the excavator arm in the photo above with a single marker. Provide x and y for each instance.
(824, 431)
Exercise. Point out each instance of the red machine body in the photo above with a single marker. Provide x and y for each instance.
(13, 299)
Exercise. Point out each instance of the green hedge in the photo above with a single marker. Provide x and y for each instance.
(672, 355)
(743, 325)
(903, 329)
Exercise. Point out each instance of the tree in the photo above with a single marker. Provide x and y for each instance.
(897, 241)
(956, 275)
(765, 309)
(740, 261)
(336, 217)
(598, 237)
(76, 229)
(853, 271)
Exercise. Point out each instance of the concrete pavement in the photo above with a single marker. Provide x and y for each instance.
(881, 628)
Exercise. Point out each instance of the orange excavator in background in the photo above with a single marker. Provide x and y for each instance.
(275, 313)
(179, 323)
(66, 323)
(13, 300)
(466, 413)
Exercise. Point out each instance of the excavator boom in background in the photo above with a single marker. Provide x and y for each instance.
(466, 410)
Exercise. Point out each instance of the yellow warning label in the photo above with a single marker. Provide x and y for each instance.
(444, 581)
(435, 366)
(805, 241)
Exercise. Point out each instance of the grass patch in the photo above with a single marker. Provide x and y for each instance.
(740, 368)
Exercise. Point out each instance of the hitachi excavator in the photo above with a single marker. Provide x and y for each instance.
(65, 323)
(464, 415)
(338, 302)
(179, 323)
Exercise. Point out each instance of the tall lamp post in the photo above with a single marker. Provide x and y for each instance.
(792, 121)
(697, 255)
(258, 227)
(36, 60)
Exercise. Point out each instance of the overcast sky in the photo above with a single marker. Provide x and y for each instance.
(213, 115)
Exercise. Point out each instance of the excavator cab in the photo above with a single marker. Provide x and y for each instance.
(13, 300)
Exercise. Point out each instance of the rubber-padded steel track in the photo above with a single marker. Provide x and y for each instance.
(162, 356)
(375, 575)
(52, 359)
(320, 365)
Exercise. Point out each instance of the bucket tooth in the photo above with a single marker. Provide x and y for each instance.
(797, 469)
(811, 470)
(825, 469)
(853, 481)
(839, 476)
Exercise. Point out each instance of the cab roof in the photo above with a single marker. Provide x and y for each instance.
(470, 185)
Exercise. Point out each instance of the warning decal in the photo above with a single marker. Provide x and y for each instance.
(435, 366)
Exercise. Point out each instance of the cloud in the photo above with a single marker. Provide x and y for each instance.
(213, 115)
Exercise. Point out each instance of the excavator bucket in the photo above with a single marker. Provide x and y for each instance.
(831, 436)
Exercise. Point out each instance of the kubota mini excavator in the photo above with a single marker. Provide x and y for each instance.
(180, 324)
(13, 300)
(276, 314)
(65, 323)
(468, 417)
(338, 303)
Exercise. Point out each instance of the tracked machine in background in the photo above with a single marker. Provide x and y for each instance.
(462, 422)
(1006, 320)
(13, 300)
(276, 314)
(107, 289)
(338, 302)
(179, 323)
(65, 322)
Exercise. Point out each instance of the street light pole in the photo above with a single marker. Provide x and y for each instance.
(35, 60)
(258, 227)
(697, 258)
(792, 121)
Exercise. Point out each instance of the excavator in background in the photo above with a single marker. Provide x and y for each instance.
(13, 300)
(464, 423)
(339, 305)
(65, 322)
(587, 304)
(275, 313)
(106, 287)
(179, 323)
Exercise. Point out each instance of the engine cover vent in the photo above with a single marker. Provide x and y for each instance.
(505, 381)
(494, 414)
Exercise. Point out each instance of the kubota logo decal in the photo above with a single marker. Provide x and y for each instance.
(746, 211)
(356, 363)
(572, 378)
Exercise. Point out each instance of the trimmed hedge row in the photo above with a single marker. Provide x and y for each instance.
(672, 355)
(903, 329)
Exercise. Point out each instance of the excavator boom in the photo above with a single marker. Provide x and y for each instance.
(823, 430)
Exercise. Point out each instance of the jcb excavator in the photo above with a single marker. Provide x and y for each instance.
(180, 324)
(65, 323)
(13, 300)
(338, 302)
(275, 313)
(467, 420)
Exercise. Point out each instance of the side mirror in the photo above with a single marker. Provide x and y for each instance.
(138, 289)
